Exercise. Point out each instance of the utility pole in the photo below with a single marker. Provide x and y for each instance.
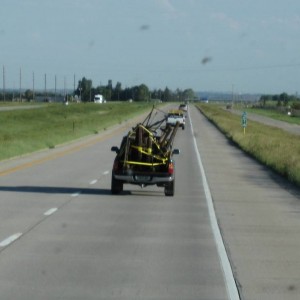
(3, 83)
(20, 84)
(33, 86)
(65, 95)
(55, 88)
(232, 96)
(45, 86)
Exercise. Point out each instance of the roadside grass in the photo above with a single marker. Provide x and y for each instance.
(271, 146)
(25, 131)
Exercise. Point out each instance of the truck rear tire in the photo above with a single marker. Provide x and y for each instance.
(116, 186)
(170, 188)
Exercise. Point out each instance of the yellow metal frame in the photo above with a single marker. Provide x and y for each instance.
(147, 151)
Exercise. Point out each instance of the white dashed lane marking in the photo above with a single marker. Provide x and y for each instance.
(14, 237)
(10, 239)
(96, 180)
(50, 211)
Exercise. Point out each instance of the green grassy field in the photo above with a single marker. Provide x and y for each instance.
(28, 130)
(271, 146)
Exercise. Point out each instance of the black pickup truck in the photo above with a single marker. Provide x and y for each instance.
(145, 157)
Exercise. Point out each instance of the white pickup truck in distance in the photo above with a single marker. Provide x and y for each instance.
(175, 116)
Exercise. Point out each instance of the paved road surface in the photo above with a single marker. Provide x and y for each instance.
(63, 236)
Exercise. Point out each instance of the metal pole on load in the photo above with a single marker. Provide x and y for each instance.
(172, 135)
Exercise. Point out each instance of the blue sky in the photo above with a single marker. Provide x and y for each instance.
(250, 46)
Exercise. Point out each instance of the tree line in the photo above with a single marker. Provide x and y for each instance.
(282, 99)
(85, 91)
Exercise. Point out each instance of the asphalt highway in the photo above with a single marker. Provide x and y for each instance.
(231, 231)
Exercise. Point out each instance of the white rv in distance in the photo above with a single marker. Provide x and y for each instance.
(99, 99)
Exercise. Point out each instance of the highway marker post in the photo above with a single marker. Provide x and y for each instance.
(244, 121)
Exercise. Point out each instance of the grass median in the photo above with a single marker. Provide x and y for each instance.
(271, 146)
(25, 131)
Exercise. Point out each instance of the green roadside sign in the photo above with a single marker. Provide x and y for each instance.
(244, 119)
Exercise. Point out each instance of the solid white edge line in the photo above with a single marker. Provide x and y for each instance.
(10, 239)
(50, 211)
(228, 274)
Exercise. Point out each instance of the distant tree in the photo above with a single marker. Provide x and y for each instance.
(109, 84)
(118, 91)
(166, 95)
(126, 94)
(284, 99)
(84, 89)
(178, 95)
(109, 90)
(157, 94)
(276, 98)
(265, 98)
(188, 94)
(142, 93)
(28, 95)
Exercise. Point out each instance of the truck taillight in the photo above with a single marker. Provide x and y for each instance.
(116, 166)
(171, 168)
